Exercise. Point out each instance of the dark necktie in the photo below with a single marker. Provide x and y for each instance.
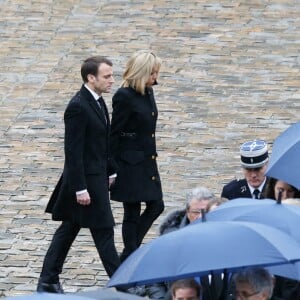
(256, 193)
(102, 107)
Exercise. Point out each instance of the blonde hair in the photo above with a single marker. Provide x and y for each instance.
(139, 69)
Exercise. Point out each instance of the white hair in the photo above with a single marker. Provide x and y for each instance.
(200, 194)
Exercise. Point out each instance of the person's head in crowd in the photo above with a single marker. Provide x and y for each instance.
(253, 284)
(141, 71)
(197, 202)
(185, 289)
(254, 161)
(276, 187)
(214, 203)
(97, 74)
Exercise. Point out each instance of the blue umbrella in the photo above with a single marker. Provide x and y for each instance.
(48, 296)
(237, 202)
(206, 248)
(282, 216)
(100, 294)
(291, 271)
(108, 294)
(284, 162)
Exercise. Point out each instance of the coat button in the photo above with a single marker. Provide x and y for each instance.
(152, 134)
(153, 178)
(153, 156)
(153, 113)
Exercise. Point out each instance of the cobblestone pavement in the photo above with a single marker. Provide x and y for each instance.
(230, 73)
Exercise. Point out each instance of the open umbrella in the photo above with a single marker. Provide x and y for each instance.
(284, 162)
(282, 216)
(108, 294)
(100, 293)
(48, 296)
(206, 248)
(234, 204)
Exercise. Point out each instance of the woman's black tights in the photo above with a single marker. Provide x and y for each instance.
(136, 225)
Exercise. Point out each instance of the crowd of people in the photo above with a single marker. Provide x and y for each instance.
(117, 161)
(250, 283)
(100, 155)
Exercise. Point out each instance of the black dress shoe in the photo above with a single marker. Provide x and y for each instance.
(44, 287)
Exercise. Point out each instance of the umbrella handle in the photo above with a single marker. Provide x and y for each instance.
(279, 196)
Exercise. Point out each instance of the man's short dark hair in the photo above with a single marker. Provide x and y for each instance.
(185, 284)
(91, 65)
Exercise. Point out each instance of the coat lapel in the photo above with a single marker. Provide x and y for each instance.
(96, 107)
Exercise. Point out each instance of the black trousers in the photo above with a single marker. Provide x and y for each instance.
(136, 225)
(62, 242)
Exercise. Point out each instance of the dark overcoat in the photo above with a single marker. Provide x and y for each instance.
(133, 146)
(238, 189)
(87, 165)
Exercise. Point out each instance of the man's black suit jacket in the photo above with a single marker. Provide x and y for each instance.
(87, 165)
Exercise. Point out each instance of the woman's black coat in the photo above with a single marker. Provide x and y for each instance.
(133, 146)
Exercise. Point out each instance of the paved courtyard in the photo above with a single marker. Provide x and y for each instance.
(231, 72)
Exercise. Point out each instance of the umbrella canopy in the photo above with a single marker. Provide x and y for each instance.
(284, 162)
(285, 217)
(291, 270)
(108, 294)
(237, 202)
(48, 296)
(101, 294)
(204, 248)
(281, 216)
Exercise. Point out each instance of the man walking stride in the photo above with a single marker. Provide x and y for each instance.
(81, 198)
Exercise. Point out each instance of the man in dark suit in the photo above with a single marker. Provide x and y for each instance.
(254, 161)
(81, 198)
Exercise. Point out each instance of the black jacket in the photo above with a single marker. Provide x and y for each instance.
(133, 146)
(174, 220)
(87, 165)
(238, 189)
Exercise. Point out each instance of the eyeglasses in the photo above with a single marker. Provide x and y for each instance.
(244, 295)
(195, 212)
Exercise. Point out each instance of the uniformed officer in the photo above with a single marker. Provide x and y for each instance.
(254, 160)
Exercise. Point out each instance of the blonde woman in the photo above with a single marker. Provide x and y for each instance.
(133, 147)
